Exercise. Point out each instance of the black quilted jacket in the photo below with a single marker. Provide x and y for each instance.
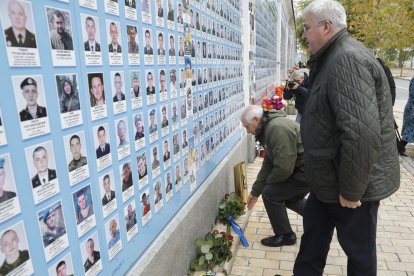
(348, 125)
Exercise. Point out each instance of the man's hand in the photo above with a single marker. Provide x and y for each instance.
(251, 201)
(349, 204)
(296, 86)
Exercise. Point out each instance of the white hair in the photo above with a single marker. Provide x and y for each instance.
(327, 10)
(250, 112)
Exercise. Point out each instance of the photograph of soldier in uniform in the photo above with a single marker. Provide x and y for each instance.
(135, 86)
(60, 30)
(13, 246)
(78, 160)
(153, 121)
(63, 267)
(131, 216)
(142, 166)
(67, 86)
(18, 24)
(40, 159)
(30, 93)
(92, 34)
(52, 223)
(83, 204)
(126, 175)
(90, 253)
(5, 167)
(139, 126)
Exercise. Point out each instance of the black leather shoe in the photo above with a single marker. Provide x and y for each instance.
(280, 240)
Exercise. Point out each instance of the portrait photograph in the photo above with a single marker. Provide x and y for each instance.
(148, 47)
(180, 18)
(53, 230)
(122, 138)
(63, 267)
(91, 38)
(153, 125)
(160, 48)
(113, 236)
(131, 9)
(139, 131)
(102, 146)
(176, 147)
(107, 191)
(84, 209)
(163, 85)
(168, 186)
(173, 83)
(13, 241)
(41, 166)
(19, 33)
(8, 189)
(127, 182)
(174, 115)
(111, 7)
(67, 87)
(130, 216)
(142, 170)
(97, 95)
(61, 37)
(91, 254)
(145, 207)
(118, 91)
(133, 47)
(160, 13)
(146, 11)
(155, 162)
(135, 87)
(76, 157)
(30, 98)
(178, 181)
(113, 30)
(166, 153)
(150, 87)
(158, 202)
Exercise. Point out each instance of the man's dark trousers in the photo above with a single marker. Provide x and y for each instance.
(279, 196)
(356, 231)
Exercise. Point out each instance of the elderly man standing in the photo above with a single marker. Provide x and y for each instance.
(351, 160)
(281, 180)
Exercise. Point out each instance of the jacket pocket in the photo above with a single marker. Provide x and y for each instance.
(312, 100)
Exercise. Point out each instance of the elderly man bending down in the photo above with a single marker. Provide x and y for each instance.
(281, 180)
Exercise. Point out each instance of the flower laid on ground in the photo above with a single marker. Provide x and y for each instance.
(230, 205)
(212, 250)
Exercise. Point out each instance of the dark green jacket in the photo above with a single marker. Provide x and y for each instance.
(284, 151)
(348, 125)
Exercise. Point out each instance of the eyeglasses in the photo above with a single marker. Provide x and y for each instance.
(307, 28)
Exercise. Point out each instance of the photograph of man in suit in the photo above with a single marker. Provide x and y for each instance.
(161, 50)
(167, 153)
(114, 46)
(132, 42)
(75, 148)
(171, 51)
(109, 194)
(119, 95)
(30, 94)
(91, 44)
(44, 174)
(148, 49)
(150, 84)
(104, 148)
(17, 35)
(60, 38)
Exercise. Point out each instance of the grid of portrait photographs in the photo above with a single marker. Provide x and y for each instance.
(147, 99)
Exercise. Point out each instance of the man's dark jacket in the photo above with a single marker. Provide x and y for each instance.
(284, 151)
(348, 125)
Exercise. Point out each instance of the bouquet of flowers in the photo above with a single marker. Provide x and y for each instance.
(275, 102)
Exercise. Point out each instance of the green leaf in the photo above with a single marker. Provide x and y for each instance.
(210, 243)
(209, 256)
(199, 242)
(201, 260)
(222, 205)
(205, 248)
